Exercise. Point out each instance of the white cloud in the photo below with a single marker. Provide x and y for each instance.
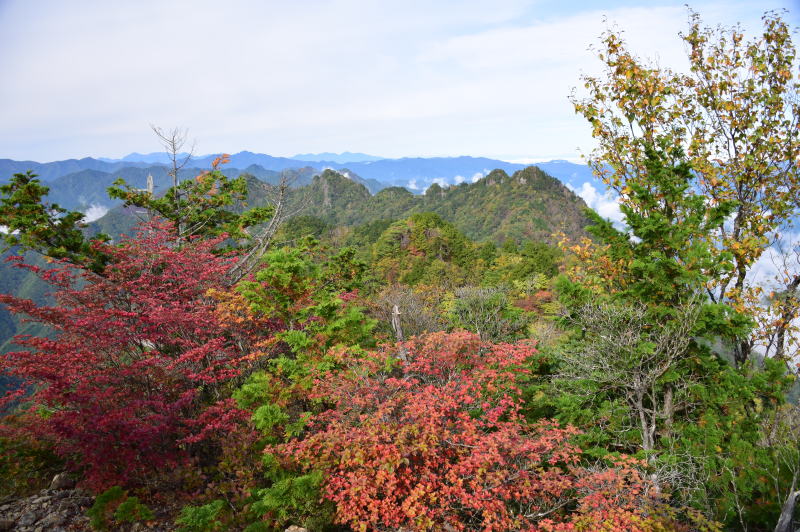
(777, 259)
(477, 176)
(395, 79)
(459, 179)
(94, 212)
(412, 185)
(441, 182)
(606, 204)
(771, 267)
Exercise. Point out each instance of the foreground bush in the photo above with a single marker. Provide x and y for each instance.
(428, 435)
(136, 356)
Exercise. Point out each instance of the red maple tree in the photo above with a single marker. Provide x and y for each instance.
(135, 358)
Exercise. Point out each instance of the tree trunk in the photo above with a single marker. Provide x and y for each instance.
(398, 332)
(787, 512)
(648, 439)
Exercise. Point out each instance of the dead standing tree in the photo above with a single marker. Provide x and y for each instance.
(173, 142)
(262, 238)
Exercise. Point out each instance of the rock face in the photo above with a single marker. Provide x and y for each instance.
(62, 481)
(49, 510)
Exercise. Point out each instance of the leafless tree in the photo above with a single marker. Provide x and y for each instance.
(415, 315)
(624, 352)
(483, 310)
(174, 142)
(262, 238)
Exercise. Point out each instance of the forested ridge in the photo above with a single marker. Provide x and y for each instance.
(528, 205)
(235, 354)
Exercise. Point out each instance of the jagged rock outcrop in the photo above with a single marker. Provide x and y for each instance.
(50, 510)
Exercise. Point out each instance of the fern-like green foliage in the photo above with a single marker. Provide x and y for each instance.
(101, 511)
(308, 290)
(201, 518)
(292, 498)
(114, 507)
(131, 510)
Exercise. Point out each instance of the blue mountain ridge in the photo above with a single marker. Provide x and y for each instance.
(342, 158)
(414, 173)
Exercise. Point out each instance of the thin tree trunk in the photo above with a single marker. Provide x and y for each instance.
(398, 332)
(786, 318)
(785, 522)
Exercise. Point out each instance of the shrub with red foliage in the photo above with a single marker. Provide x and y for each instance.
(437, 441)
(136, 356)
(534, 302)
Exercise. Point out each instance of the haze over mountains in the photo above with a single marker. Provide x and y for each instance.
(413, 173)
(80, 184)
(344, 157)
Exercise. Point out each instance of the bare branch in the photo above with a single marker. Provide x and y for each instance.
(262, 239)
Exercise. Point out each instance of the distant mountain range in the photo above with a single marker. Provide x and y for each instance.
(341, 158)
(414, 173)
(163, 158)
(56, 169)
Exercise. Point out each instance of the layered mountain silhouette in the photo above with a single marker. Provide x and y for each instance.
(414, 173)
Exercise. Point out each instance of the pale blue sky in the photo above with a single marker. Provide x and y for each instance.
(401, 78)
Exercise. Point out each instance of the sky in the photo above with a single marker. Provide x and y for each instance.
(389, 78)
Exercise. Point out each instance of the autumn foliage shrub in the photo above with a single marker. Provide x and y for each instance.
(429, 435)
(27, 461)
(136, 356)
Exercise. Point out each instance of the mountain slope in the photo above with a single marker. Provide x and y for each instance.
(530, 205)
(56, 169)
(79, 190)
(417, 173)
